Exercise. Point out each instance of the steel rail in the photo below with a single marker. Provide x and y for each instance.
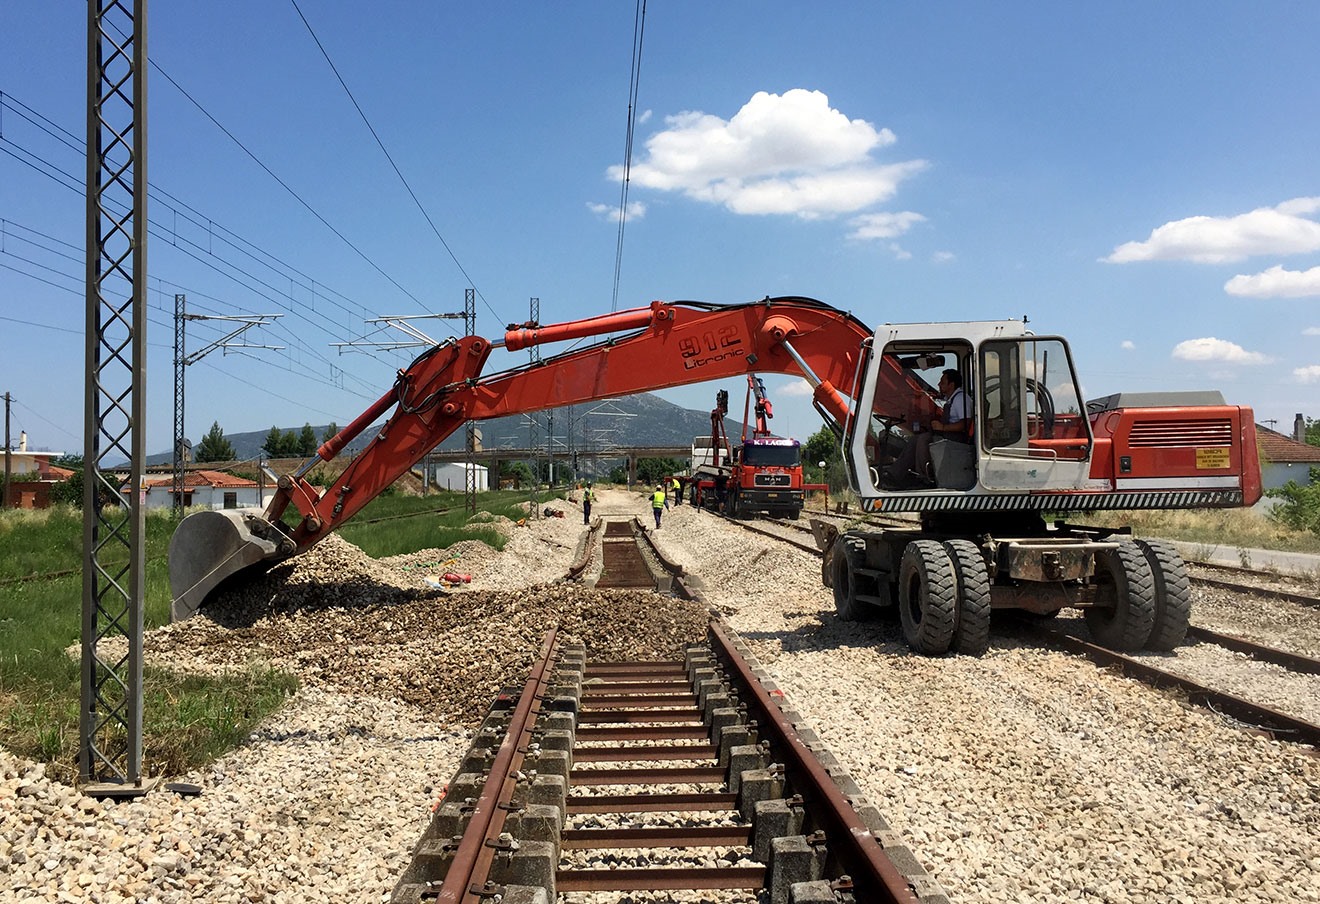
(1277, 725)
(873, 874)
(1299, 598)
(476, 851)
(1296, 662)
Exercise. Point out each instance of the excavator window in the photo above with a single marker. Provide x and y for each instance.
(1029, 399)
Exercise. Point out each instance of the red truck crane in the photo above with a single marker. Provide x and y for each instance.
(983, 541)
(763, 474)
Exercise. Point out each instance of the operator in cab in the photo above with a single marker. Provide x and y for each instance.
(912, 468)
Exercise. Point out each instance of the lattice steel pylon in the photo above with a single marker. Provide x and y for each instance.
(114, 549)
(180, 463)
(533, 428)
(473, 440)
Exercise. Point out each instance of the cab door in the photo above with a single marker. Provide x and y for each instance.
(1034, 433)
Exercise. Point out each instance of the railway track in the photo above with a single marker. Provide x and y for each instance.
(655, 777)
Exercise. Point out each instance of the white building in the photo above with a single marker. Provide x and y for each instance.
(453, 476)
(204, 489)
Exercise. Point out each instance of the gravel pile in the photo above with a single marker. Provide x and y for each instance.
(1023, 776)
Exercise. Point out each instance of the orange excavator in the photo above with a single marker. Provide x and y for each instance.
(981, 541)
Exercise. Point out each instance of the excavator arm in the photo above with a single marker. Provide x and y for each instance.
(671, 344)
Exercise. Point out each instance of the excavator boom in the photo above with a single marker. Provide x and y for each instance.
(672, 344)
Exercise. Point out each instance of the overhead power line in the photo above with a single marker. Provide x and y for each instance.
(634, 79)
(356, 106)
(297, 197)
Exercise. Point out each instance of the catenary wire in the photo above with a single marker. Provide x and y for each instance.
(395, 166)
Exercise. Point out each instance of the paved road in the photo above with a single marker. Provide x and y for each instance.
(1298, 562)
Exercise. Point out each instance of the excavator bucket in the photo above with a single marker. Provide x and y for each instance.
(208, 547)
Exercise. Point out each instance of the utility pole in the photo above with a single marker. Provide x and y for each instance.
(181, 361)
(533, 432)
(114, 547)
(472, 443)
(5, 502)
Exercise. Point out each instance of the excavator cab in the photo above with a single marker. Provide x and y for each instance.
(1028, 429)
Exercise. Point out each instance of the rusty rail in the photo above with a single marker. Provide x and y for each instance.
(468, 874)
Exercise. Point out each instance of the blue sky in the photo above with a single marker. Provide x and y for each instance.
(1140, 178)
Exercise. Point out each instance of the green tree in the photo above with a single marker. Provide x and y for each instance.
(1312, 432)
(69, 492)
(331, 430)
(307, 440)
(652, 470)
(1298, 506)
(823, 445)
(517, 471)
(214, 446)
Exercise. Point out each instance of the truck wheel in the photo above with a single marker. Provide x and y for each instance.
(1126, 613)
(731, 505)
(926, 597)
(794, 513)
(844, 580)
(971, 634)
(1173, 595)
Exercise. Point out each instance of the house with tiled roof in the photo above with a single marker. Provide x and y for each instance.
(204, 489)
(1284, 458)
(32, 476)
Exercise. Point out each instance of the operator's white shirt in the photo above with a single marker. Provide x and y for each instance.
(958, 408)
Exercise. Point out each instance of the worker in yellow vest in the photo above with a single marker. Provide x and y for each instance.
(678, 491)
(588, 497)
(659, 499)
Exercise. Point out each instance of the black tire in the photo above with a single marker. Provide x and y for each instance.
(927, 597)
(1126, 613)
(731, 504)
(794, 514)
(1173, 595)
(971, 634)
(844, 582)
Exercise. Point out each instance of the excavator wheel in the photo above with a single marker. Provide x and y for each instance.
(843, 578)
(1126, 612)
(971, 636)
(927, 604)
(1173, 595)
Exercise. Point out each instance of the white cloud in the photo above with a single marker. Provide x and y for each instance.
(883, 225)
(942, 257)
(1267, 230)
(1276, 282)
(635, 211)
(1311, 331)
(1128, 345)
(780, 154)
(1211, 349)
(1309, 374)
(797, 389)
(644, 118)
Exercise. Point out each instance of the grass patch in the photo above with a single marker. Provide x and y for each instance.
(1213, 528)
(188, 720)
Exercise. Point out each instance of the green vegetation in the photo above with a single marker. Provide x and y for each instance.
(187, 721)
(1298, 507)
(1231, 528)
(650, 471)
(214, 446)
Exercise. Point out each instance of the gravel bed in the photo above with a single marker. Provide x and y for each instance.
(1274, 622)
(1026, 775)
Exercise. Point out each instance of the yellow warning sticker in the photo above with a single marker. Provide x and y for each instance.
(1211, 459)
